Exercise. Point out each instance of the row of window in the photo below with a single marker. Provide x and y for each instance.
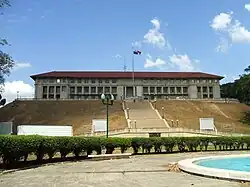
(78, 89)
(205, 89)
(165, 90)
(57, 96)
(78, 81)
(93, 81)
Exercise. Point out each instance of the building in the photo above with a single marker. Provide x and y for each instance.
(91, 84)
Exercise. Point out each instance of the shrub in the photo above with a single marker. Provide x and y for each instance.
(16, 148)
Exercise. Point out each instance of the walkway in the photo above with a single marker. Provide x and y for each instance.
(138, 171)
(145, 116)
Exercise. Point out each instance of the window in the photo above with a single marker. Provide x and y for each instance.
(79, 89)
(210, 81)
(184, 81)
(79, 81)
(210, 89)
(51, 89)
(86, 81)
(178, 81)
(58, 89)
(93, 81)
(114, 81)
(72, 81)
(204, 81)
(204, 89)
(152, 89)
(106, 81)
(198, 89)
(165, 89)
(86, 89)
(51, 96)
(45, 89)
(51, 80)
(100, 90)
(178, 89)
(64, 80)
(58, 80)
(107, 90)
(185, 89)
(158, 89)
(172, 90)
(198, 81)
(45, 80)
(44, 96)
(72, 90)
(63, 88)
(145, 89)
(215, 80)
(93, 89)
(100, 81)
(205, 96)
(114, 89)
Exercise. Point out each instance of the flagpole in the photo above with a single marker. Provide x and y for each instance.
(124, 63)
(133, 71)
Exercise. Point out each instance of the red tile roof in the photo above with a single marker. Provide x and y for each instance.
(125, 75)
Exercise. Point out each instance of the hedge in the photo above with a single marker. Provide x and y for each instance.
(17, 148)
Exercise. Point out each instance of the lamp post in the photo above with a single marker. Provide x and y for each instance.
(107, 100)
(162, 108)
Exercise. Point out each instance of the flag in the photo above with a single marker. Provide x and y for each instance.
(137, 52)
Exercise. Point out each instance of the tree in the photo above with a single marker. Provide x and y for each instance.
(239, 89)
(6, 61)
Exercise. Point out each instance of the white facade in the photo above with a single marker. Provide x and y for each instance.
(93, 87)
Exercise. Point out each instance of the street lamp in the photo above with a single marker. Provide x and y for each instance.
(107, 100)
(162, 108)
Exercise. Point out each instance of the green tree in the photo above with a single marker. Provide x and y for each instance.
(6, 61)
(239, 89)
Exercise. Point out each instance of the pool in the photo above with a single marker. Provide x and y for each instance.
(236, 167)
(237, 163)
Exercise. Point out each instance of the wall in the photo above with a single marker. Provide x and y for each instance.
(121, 84)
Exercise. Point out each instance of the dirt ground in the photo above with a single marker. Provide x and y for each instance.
(226, 116)
(78, 113)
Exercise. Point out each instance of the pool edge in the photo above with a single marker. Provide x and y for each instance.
(188, 166)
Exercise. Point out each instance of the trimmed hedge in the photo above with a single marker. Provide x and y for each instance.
(17, 148)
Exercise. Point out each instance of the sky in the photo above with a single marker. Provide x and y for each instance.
(209, 36)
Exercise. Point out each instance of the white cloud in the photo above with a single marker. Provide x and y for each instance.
(247, 6)
(154, 36)
(150, 63)
(232, 31)
(18, 65)
(183, 62)
(221, 21)
(11, 88)
(239, 33)
(223, 45)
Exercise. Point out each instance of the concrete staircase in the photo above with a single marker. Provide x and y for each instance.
(142, 115)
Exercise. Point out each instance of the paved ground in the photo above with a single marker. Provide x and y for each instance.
(138, 171)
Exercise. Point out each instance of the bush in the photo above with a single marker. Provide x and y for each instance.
(17, 148)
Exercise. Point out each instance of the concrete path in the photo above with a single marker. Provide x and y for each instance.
(138, 171)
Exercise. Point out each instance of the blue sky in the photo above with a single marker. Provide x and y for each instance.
(210, 36)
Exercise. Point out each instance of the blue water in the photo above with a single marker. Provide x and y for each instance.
(238, 164)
